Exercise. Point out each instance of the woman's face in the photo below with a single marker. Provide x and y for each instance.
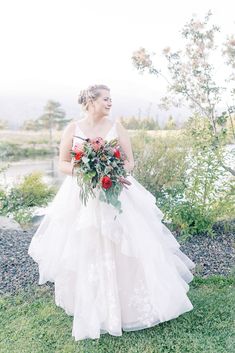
(103, 103)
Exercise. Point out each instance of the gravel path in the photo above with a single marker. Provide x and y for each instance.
(18, 270)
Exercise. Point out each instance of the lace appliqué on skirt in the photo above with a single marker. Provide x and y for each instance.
(140, 301)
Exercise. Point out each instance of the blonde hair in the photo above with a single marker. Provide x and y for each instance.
(90, 94)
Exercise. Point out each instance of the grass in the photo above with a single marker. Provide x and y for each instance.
(42, 136)
(32, 323)
(26, 144)
(28, 137)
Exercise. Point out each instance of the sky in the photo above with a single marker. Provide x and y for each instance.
(53, 49)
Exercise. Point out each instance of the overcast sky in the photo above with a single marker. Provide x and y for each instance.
(62, 46)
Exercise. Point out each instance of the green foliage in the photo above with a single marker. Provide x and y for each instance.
(209, 195)
(209, 189)
(160, 162)
(33, 191)
(3, 167)
(31, 124)
(191, 219)
(15, 150)
(23, 216)
(170, 124)
(94, 165)
(160, 165)
(133, 123)
(185, 175)
(20, 200)
(53, 117)
(192, 77)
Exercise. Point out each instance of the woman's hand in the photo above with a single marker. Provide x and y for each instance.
(124, 181)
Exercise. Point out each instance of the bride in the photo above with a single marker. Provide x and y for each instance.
(110, 275)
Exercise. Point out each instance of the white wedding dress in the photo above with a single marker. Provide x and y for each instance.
(111, 274)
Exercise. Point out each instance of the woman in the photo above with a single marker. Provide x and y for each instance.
(110, 275)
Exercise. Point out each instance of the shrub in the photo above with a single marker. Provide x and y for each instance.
(21, 199)
(10, 150)
(134, 123)
(184, 173)
(160, 163)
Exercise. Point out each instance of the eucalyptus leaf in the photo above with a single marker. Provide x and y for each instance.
(102, 196)
(85, 159)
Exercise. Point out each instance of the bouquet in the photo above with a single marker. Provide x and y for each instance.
(100, 164)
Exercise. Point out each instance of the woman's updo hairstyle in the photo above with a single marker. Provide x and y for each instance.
(90, 94)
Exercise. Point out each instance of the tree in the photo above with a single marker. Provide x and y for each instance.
(192, 77)
(31, 124)
(53, 117)
(170, 124)
(157, 125)
(134, 123)
(229, 53)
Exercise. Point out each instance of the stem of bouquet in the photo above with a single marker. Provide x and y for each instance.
(124, 181)
(84, 139)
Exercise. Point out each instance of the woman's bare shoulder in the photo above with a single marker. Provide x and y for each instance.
(71, 125)
(121, 129)
(69, 128)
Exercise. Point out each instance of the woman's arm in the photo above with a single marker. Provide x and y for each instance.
(125, 143)
(65, 160)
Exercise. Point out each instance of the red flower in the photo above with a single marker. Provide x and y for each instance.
(79, 155)
(117, 153)
(106, 182)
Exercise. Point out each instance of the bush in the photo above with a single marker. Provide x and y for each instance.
(160, 165)
(21, 199)
(191, 219)
(134, 123)
(32, 191)
(184, 173)
(10, 150)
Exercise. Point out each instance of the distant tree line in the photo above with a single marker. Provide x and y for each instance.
(54, 118)
(148, 123)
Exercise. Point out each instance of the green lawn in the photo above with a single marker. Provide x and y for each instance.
(30, 322)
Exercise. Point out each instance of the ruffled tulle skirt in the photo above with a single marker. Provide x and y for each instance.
(111, 274)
